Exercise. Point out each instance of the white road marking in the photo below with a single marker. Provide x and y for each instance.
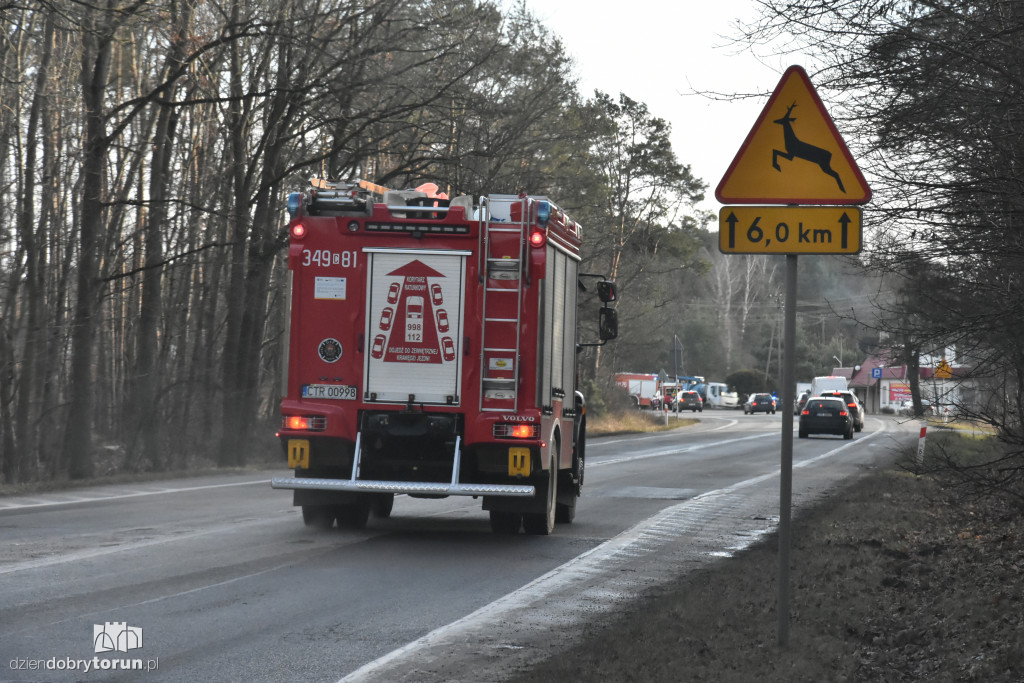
(674, 450)
(91, 553)
(136, 494)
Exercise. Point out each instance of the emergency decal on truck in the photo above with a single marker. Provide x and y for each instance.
(330, 288)
(329, 350)
(500, 364)
(415, 319)
(410, 327)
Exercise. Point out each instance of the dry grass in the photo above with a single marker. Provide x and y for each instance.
(634, 421)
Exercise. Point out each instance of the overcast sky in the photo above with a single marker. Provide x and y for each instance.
(662, 53)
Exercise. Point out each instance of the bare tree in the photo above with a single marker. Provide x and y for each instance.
(932, 92)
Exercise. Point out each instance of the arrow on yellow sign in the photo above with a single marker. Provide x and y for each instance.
(789, 230)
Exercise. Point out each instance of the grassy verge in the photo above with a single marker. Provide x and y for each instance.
(894, 578)
(635, 421)
(963, 427)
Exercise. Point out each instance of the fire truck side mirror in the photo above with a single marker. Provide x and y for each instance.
(606, 291)
(608, 324)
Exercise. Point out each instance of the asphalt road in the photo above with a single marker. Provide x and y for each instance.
(222, 582)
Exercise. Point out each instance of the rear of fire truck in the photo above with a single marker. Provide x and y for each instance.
(431, 352)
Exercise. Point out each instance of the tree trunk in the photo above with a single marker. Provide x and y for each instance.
(96, 52)
(147, 378)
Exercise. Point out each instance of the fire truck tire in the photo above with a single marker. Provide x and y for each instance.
(382, 505)
(353, 515)
(318, 516)
(579, 457)
(543, 523)
(571, 485)
(565, 512)
(507, 523)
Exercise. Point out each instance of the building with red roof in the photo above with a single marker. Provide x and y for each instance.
(882, 383)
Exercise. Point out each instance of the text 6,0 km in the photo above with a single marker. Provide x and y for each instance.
(789, 230)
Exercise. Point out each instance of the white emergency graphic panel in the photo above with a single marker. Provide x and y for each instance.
(414, 326)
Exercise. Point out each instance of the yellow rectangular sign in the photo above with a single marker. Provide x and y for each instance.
(298, 453)
(518, 462)
(789, 230)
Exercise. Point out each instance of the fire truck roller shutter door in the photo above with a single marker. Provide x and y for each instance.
(557, 277)
(569, 331)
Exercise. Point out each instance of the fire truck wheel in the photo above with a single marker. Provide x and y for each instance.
(579, 457)
(543, 523)
(565, 512)
(318, 516)
(505, 522)
(353, 515)
(382, 504)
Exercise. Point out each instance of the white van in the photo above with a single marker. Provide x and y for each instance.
(719, 396)
(828, 383)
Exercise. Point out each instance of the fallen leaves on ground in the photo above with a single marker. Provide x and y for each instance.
(891, 580)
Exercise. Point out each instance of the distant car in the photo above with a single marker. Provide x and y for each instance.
(801, 401)
(759, 403)
(853, 403)
(826, 415)
(690, 400)
(907, 408)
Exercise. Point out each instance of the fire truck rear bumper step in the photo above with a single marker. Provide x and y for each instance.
(411, 487)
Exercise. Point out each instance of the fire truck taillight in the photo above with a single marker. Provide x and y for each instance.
(353, 226)
(298, 231)
(515, 431)
(537, 238)
(306, 423)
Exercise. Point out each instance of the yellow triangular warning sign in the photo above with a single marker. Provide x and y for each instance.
(793, 154)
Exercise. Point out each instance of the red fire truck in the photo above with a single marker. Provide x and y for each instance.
(432, 352)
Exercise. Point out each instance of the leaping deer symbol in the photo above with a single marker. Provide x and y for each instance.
(799, 149)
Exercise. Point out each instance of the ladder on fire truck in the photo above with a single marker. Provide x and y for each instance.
(503, 252)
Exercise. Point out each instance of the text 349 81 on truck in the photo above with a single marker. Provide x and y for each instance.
(432, 352)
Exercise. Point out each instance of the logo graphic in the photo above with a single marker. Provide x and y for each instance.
(329, 350)
(116, 636)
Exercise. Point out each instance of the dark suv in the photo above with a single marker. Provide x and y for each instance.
(763, 403)
(853, 403)
(825, 415)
